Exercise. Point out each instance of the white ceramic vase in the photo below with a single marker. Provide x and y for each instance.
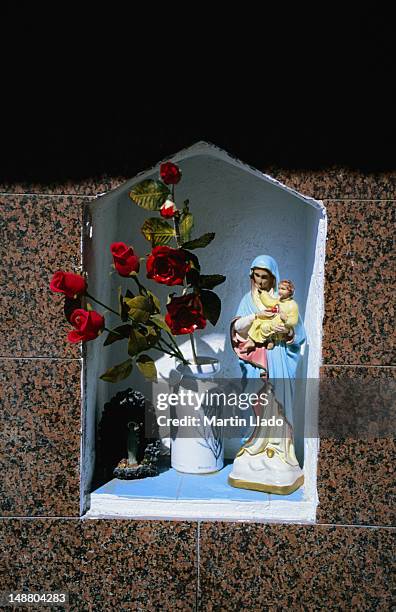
(199, 448)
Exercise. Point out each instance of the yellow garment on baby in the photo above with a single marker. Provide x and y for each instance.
(262, 329)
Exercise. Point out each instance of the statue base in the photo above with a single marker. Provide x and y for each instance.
(266, 471)
(266, 488)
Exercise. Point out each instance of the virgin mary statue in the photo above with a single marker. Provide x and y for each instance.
(267, 461)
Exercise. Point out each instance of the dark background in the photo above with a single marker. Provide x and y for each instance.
(80, 103)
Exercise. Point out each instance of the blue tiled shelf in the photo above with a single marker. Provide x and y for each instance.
(173, 485)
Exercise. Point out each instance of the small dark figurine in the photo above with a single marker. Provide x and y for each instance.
(128, 427)
(129, 469)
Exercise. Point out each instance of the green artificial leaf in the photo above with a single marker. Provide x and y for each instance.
(137, 343)
(152, 335)
(157, 231)
(156, 302)
(199, 243)
(192, 278)
(118, 333)
(147, 367)
(123, 308)
(118, 372)
(185, 226)
(160, 322)
(149, 194)
(139, 308)
(209, 281)
(211, 305)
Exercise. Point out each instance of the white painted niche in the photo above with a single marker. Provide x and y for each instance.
(251, 214)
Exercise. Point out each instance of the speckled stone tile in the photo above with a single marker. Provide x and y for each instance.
(39, 235)
(338, 182)
(105, 565)
(40, 437)
(356, 481)
(89, 186)
(334, 182)
(357, 475)
(284, 567)
(360, 281)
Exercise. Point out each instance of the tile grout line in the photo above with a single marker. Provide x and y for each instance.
(82, 517)
(355, 365)
(50, 195)
(42, 516)
(328, 199)
(357, 525)
(198, 589)
(325, 198)
(38, 358)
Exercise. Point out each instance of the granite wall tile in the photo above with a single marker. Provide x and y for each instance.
(356, 481)
(278, 567)
(105, 565)
(40, 437)
(39, 235)
(356, 472)
(337, 182)
(84, 187)
(360, 275)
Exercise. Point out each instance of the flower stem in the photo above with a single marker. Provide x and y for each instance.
(162, 350)
(177, 231)
(194, 354)
(101, 304)
(139, 284)
(175, 348)
(171, 338)
(178, 242)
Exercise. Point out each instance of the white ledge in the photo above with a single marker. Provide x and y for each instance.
(273, 510)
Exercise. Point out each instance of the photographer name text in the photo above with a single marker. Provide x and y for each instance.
(213, 421)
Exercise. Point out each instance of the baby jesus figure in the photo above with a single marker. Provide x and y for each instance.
(279, 311)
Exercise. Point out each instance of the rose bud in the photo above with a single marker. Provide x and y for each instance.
(185, 314)
(125, 260)
(167, 266)
(68, 283)
(88, 325)
(170, 173)
(168, 209)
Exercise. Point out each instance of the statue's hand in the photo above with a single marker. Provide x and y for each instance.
(265, 314)
(281, 329)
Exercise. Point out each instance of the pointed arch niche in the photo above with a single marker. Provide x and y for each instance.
(251, 213)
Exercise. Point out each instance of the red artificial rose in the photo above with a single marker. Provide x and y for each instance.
(68, 283)
(88, 324)
(185, 314)
(125, 260)
(168, 209)
(70, 305)
(167, 266)
(170, 173)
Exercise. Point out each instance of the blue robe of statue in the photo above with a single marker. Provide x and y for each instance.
(282, 359)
